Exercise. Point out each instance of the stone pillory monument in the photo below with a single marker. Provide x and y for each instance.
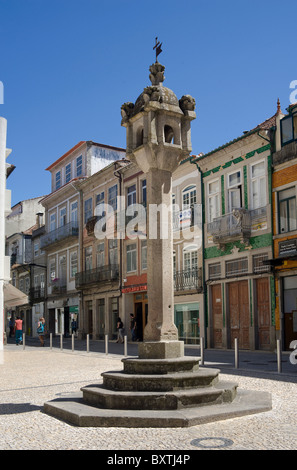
(161, 387)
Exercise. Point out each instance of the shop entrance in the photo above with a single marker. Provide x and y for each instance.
(239, 313)
(263, 312)
(290, 309)
(217, 315)
(140, 312)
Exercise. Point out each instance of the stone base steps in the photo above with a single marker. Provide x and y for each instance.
(74, 411)
(157, 393)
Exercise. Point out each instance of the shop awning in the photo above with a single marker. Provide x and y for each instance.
(13, 296)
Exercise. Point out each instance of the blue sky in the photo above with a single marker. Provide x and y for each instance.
(67, 66)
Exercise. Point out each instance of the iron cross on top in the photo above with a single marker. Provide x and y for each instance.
(158, 48)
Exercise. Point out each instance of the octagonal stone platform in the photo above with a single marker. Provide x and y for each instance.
(157, 393)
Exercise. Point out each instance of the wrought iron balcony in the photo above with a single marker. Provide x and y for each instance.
(190, 279)
(230, 227)
(61, 233)
(58, 286)
(97, 275)
(36, 294)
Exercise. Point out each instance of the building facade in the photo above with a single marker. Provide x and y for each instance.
(98, 281)
(66, 214)
(240, 295)
(284, 196)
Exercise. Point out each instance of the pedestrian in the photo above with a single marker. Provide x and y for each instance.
(120, 328)
(73, 326)
(18, 331)
(133, 327)
(41, 330)
(11, 327)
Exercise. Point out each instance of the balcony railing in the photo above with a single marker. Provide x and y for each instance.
(67, 230)
(36, 294)
(230, 227)
(190, 279)
(58, 286)
(97, 275)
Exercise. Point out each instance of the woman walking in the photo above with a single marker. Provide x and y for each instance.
(41, 330)
(120, 328)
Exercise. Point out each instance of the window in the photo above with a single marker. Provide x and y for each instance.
(190, 258)
(100, 198)
(79, 171)
(113, 251)
(27, 284)
(36, 281)
(73, 264)
(131, 257)
(258, 181)
(58, 180)
(234, 191)
(36, 248)
(143, 254)
(112, 196)
(100, 255)
(21, 285)
(213, 200)
(236, 267)
(52, 269)
(68, 173)
(131, 195)
(88, 258)
(189, 197)
(62, 217)
(53, 221)
(214, 271)
(88, 209)
(73, 211)
(287, 210)
(143, 192)
(258, 266)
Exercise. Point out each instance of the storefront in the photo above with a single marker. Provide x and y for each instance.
(62, 319)
(289, 285)
(187, 321)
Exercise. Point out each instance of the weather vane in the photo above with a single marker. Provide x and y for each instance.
(158, 48)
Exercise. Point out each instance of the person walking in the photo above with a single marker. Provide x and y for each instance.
(41, 330)
(120, 328)
(18, 331)
(11, 327)
(133, 327)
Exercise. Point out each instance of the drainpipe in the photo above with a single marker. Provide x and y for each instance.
(203, 244)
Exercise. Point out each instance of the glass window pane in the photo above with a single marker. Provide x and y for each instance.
(286, 193)
(258, 170)
(234, 179)
(213, 187)
(287, 129)
(292, 214)
(283, 217)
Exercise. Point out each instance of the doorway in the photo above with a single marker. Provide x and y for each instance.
(290, 309)
(141, 313)
(263, 312)
(217, 315)
(239, 313)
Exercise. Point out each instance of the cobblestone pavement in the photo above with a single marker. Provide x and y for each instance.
(33, 376)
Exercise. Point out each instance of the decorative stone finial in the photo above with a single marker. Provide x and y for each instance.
(157, 74)
(278, 107)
